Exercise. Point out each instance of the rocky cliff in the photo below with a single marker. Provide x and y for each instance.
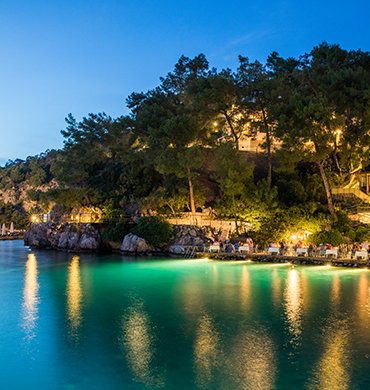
(63, 236)
(85, 237)
(18, 194)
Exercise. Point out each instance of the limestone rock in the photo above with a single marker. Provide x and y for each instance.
(193, 233)
(176, 249)
(65, 236)
(134, 244)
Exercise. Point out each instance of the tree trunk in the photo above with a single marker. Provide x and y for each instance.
(328, 192)
(335, 158)
(233, 132)
(236, 219)
(269, 158)
(268, 145)
(173, 211)
(192, 204)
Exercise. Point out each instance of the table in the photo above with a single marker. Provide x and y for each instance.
(243, 249)
(274, 250)
(333, 252)
(303, 251)
(215, 248)
(361, 254)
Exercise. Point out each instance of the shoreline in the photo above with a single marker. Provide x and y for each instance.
(281, 259)
(11, 238)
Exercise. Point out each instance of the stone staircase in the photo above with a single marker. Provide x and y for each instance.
(354, 191)
(362, 217)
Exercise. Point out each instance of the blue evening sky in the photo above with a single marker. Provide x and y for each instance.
(86, 57)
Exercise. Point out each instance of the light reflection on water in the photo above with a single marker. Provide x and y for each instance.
(334, 368)
(293, 305)
(276, 288)
(254, 361)
(74, 296)
(335, 292)
(364, 299)
(245, 289)
(31, 298)
(189, 325)
(138, 343)
(207, 351)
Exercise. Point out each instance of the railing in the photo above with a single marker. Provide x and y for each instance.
(79, 218)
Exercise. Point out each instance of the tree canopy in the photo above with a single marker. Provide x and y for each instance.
(178, 148)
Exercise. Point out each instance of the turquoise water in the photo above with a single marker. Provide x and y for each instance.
(112, 322)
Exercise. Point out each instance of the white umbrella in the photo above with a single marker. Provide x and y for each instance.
(3, 231)
(12, 227)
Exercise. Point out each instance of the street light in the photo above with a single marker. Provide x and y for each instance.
(338, 132)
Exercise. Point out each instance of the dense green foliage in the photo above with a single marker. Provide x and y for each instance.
(155, 230)
(36, 170)
(332, 237)
(115, 232)
(8, 214)
(177, 150)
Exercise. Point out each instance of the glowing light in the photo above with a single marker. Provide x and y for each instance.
(255, 361)
(335, 293)
(294, 237)
(245, 288)
(215, 123)
(332, 372)
(204, 259)
(138, 343)
(363, 298)
(30, 298)
(293, 305)
(276, 288)
(357, 270)
(74, 295)
(207, 350)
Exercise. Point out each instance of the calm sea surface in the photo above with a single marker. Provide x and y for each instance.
(112, 322)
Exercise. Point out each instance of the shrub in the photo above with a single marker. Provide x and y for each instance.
(359, 234)
(323, 237)
(33, 195)
(112, 214)
(8, 214)
(155, 230)
(115, 232)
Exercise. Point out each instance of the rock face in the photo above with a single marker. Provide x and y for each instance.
(176, 249)
(135, 245)
(195, 235)
(18, 194)
(64, 236)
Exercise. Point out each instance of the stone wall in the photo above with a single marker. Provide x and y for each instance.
(225, 228)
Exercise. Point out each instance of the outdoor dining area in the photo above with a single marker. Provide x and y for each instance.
(356, 252)
(323, 250)
(228, 247)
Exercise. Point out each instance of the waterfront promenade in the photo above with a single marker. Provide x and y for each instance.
(284, 259)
